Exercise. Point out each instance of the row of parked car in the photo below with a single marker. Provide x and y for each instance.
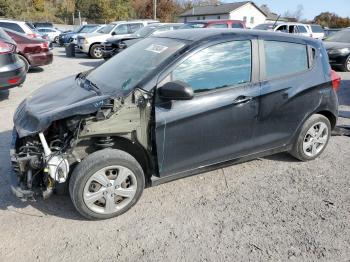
(23, 46)
(105, 41)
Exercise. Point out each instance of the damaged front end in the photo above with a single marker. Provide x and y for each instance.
(44, 159)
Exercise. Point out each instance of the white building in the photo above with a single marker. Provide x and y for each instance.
(245, 11)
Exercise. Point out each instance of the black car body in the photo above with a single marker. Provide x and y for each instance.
(180, 103)
(338, 49)
(114, 46)
(12, 69)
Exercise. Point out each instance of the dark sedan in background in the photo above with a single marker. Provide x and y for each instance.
(67, 37)
(113, 46)
(338, 49)
(12, 70)
(33, 52)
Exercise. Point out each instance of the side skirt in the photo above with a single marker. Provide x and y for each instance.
(155, 181)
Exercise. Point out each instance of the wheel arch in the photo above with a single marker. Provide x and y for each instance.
(331, 117)
(95, 43)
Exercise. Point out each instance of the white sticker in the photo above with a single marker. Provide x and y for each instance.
(156, 48)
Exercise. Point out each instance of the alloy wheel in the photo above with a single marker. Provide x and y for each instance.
(98, 52)
(315, 139)
(110, 189)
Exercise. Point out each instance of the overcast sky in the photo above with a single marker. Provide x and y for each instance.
(311, 7)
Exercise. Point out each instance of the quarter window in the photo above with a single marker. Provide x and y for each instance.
(283, 58)
(216, 67)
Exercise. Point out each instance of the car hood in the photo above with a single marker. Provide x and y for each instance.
(62, 99)
(335, 45)
(118, 40)
(96, 36)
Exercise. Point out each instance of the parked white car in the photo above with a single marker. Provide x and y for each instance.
(91, 43)
(74, 38)
(52, 33)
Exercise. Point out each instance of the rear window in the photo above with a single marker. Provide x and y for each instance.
(317, 29)
(12, 26)
(283, 58)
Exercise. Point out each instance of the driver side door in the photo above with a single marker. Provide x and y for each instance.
(217, 125)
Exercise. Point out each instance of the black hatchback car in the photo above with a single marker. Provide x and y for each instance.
(12, 69)
(180, 103)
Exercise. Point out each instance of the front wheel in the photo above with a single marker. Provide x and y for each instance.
(106, 184)
(96, 51)
(346, 66)
(313, 138)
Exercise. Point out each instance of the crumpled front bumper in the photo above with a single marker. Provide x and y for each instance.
(15, 185)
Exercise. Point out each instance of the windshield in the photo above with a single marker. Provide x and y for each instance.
(342, 36)
(145, 31)
(106, 29)
(116, 76)
(88, 29)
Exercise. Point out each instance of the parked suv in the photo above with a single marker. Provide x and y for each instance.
(20, 27)
(68, 37)
(12, 70)
(91, 43)
(214, 24)
(170, 106)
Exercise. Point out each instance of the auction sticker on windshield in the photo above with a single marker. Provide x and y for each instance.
(156, 48)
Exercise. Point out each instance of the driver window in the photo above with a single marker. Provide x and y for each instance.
(121, 30)
(222, 65)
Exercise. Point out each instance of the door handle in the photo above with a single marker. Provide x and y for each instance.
(242, 100)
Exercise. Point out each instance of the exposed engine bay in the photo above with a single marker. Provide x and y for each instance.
(44, 160)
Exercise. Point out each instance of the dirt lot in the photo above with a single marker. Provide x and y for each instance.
(273, 208)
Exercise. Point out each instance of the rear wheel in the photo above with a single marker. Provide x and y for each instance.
(96, 51)
(25, 61)
(106, 184)
(56, 40)
(313, 138)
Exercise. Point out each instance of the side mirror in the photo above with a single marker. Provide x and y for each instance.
(114, 33)
(176, 90)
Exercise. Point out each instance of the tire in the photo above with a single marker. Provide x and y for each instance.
(91, 192)
(346, 66)
(96, 51)
(312, 139)
(25, 61)
(56, 40)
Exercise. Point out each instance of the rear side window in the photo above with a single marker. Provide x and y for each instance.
(12, 26)
(302, 29)
(218, 26)
(282, 58)
(217, 66)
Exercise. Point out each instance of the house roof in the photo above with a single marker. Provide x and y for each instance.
(216, 9)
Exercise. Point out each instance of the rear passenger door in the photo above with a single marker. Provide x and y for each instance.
(284, 100)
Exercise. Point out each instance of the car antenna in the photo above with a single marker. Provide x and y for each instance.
(276, 21)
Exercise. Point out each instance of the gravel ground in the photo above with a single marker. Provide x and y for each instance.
(273, 208)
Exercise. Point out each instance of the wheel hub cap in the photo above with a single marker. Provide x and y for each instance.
(110, 189)
(315, 139)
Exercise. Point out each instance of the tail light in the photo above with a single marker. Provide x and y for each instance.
(6, 48)
(13, 81)
(32, 35)
(44, 45)
(336, 80)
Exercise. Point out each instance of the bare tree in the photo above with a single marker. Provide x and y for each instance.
(297, 14)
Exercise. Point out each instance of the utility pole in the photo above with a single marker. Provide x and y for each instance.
(79, 17)
(155, 9)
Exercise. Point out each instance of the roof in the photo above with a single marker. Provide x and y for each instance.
(194, 35)
(216, 9)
